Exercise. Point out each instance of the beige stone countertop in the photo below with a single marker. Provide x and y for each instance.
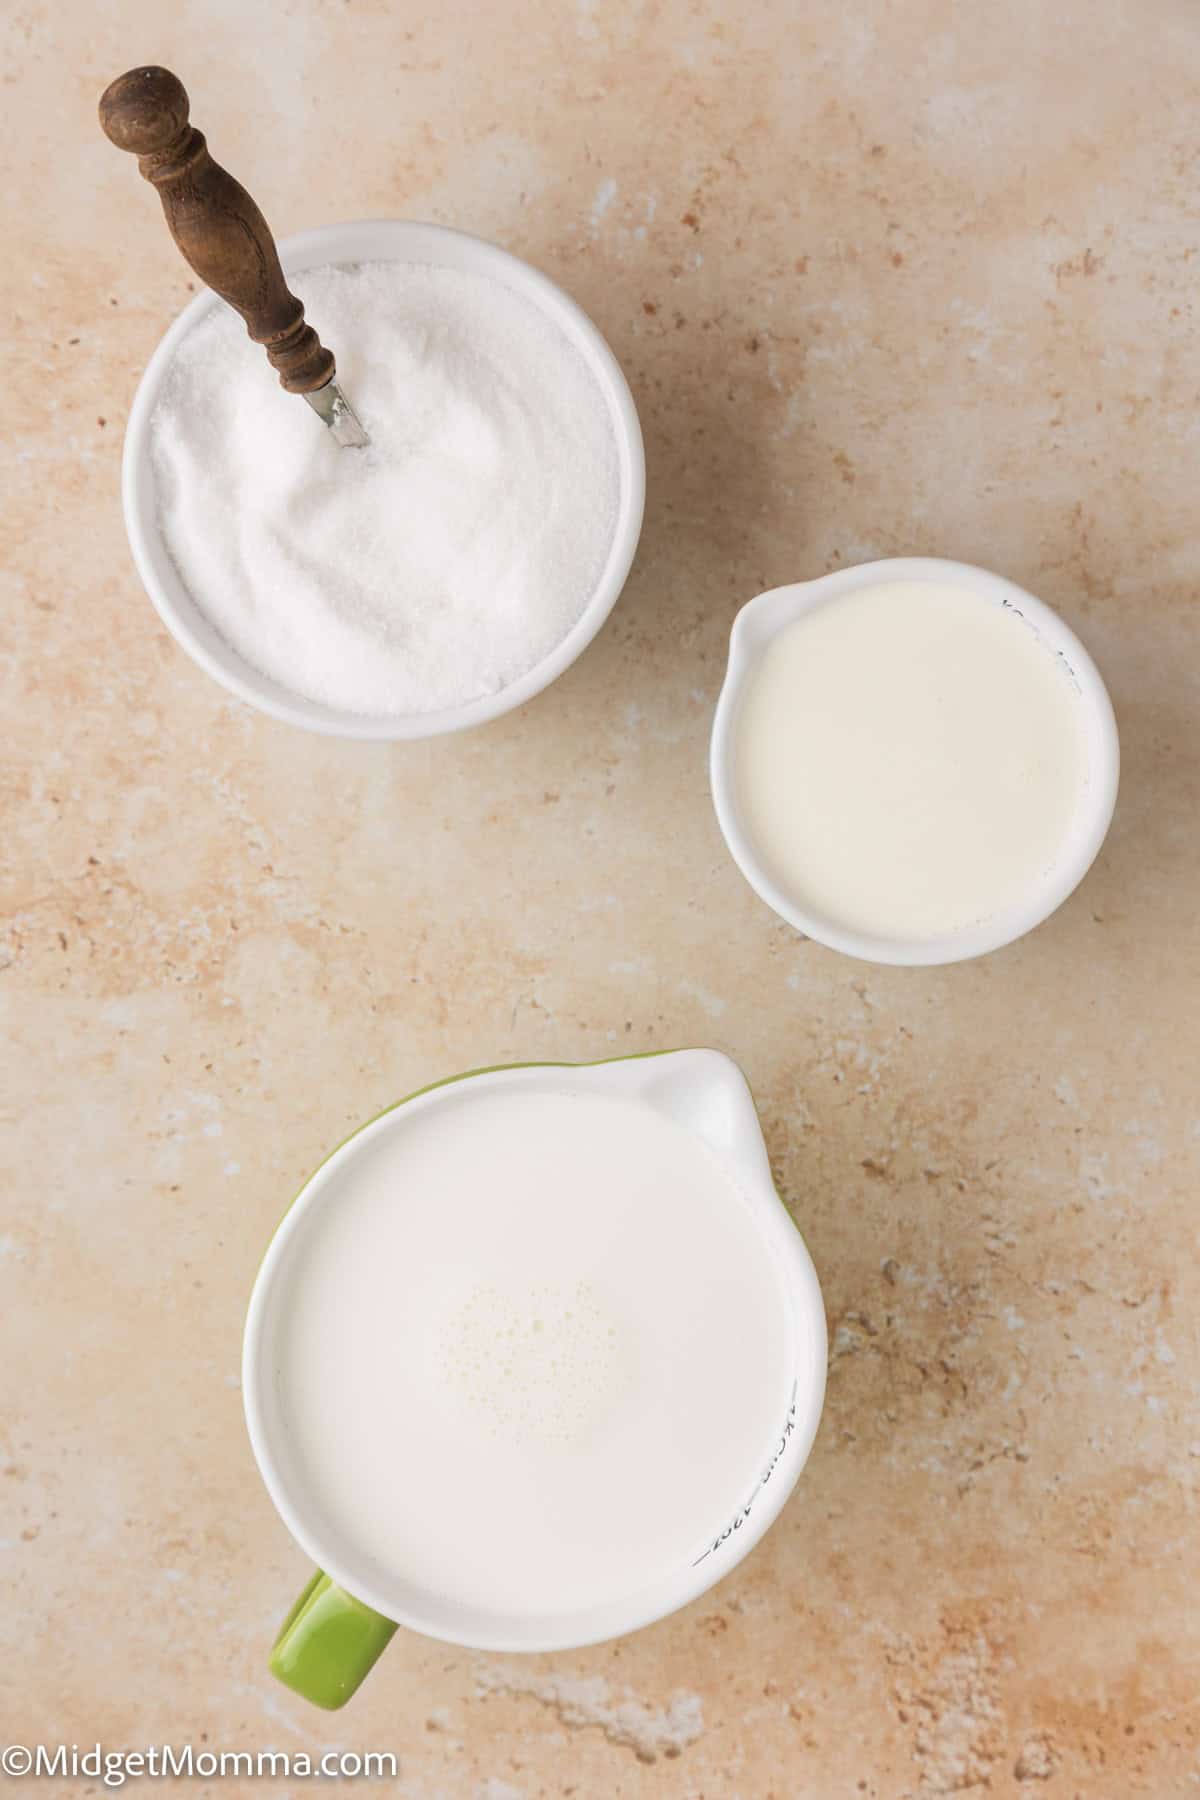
(898, 276)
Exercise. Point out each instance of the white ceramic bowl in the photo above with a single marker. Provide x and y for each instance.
(383, 240)
(763, 618)
(707, 1094)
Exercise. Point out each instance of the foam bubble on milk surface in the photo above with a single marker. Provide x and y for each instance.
(441, 563)
(538, 1363)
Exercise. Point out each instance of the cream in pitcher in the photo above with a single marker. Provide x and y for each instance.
(523, 1364)
(910, 760)
(913, 761)
(574, 1337)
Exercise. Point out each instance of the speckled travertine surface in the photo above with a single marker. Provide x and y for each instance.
(884, 278)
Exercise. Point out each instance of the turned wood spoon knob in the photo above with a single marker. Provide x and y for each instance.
(215, 223)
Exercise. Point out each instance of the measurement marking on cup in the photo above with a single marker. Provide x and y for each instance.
(1059, 656)
(743, 1513)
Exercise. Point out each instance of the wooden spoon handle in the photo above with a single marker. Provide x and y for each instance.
(214, 221)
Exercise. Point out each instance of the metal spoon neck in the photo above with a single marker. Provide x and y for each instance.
(332, 406)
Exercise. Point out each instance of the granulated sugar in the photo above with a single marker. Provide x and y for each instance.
(438, 565)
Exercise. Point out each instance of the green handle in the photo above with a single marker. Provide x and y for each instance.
(329, 1643)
